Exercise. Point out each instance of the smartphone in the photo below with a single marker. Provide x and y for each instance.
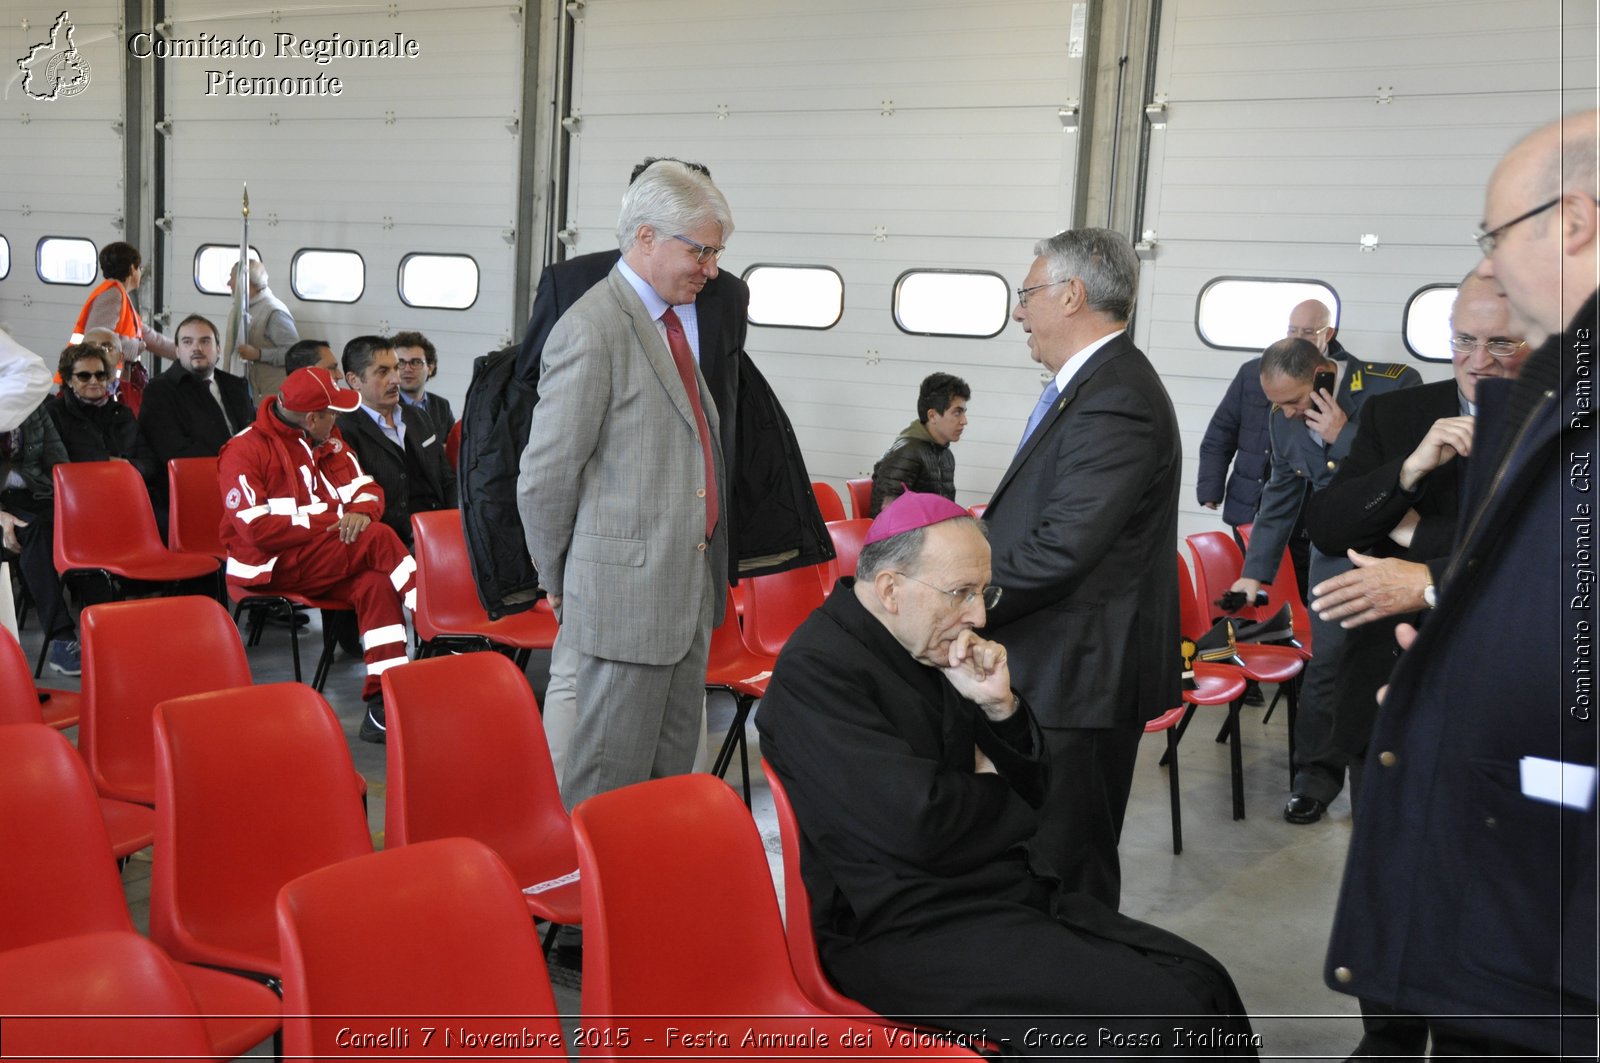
(1324, 381)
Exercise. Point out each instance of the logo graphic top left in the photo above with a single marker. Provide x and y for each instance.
(55, 69)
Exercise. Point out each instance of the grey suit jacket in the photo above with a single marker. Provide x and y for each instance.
(611, 481)
(1299, 461)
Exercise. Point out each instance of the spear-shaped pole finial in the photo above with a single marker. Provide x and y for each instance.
(247, 199)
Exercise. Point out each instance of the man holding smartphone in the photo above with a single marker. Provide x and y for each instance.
(1316, 402)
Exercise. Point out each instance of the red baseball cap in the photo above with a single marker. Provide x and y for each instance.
(312, 389)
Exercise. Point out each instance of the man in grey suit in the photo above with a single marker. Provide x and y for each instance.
(621, 489)
(1083, 526)
(1316, 405)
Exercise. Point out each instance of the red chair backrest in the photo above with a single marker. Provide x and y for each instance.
(19, 699)
(1217, 565)
(777, 604)
(109, 995)
(680, 916)
(254, 787)
(1191, 620)
(194, 507)
(61, 880)
(798, 929)
(429, 932)
(1285, 587)
(447, 599)
(847, 535)
(860, 496)
(482, 772)
(135, 655)
(102, 516)
(827, 500)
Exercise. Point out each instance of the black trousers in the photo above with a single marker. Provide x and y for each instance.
(1080, 826)
(37, 560)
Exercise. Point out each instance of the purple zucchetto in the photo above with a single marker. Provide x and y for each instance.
(912, 510)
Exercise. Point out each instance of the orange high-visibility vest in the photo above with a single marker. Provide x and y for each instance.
(128, 323)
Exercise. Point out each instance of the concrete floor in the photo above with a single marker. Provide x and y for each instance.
(1258, 893)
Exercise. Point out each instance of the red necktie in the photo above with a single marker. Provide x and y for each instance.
(683, 358)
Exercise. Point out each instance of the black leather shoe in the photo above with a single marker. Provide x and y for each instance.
(1302, 809)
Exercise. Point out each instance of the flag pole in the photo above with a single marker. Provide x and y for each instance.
(239, 313)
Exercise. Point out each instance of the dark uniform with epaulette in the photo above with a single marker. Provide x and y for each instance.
(1301, 462)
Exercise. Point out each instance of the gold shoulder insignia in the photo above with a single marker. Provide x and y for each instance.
(1386, 370)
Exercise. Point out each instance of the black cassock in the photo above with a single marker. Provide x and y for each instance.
(925, 906)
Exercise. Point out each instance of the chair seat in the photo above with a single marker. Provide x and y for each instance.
(1167, 719)
(132, 827)
(60, 708)
(532, 629)
(149, 566)
(237, 595)
(1215, 685)
(748, 676)
(238, 1013)
(558, 905)
(1270, 664)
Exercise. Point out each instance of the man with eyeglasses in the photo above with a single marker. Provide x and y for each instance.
(1083, 525)
(1470, 890)
(1393, 509)
(621, 491)
(916, 773)
(418, 362)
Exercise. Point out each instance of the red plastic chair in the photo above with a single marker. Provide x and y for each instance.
(860, 497)
(734, 667)
(978, 510)
(828, 502)
(124, 680)
(102, 996)
(777, 604)
(254, 787)
(104, 529)
(435, 933)
(479, 772)
(103, 525)
(194, 525)
(1263, 664)
(449, 614)
(848, 537)
(797, 926)
(61, 883)
(24, 701)
(1217, 566)
(680, 919)
(131, 826)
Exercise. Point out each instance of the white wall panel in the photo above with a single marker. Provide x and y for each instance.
(872, 136)
(60, 170)
(1278, 156)
(414, 155)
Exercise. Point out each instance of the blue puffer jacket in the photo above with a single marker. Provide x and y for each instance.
(1237, 433)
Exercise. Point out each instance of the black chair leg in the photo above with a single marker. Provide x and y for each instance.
(294, 643)
(1236, 757)
(549, 939)
(1183, 725)
(1171, 760)
(1278, 696)
(1293, 699)
(735, 739)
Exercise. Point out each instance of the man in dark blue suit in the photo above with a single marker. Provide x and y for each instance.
(1083, 526)
(1470, 891)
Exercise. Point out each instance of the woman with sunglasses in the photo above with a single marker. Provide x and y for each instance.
(91, 426)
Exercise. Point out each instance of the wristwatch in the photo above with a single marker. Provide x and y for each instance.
(1430, 596)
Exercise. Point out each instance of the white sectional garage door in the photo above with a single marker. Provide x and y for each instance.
(869, 136)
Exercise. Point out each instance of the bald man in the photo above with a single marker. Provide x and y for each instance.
(1470, 889)
(1392, 509)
